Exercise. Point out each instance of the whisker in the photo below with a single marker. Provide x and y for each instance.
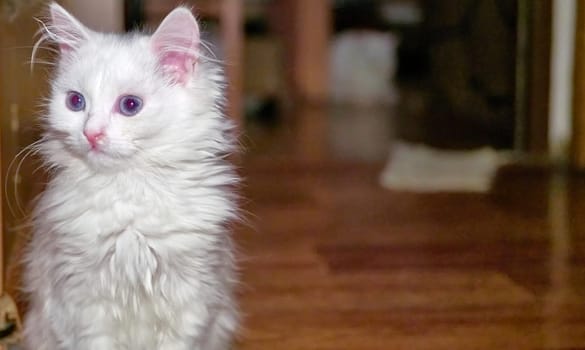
(18, 227)
(43, 32)
(32, 151)
(211, 57)
(43, 62)
(8, 177)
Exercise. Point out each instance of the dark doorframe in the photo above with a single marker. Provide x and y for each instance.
(533, 76)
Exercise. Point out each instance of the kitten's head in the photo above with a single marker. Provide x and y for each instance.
(123, 99)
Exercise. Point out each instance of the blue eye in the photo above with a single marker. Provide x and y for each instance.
(130, 105)
(75, 101)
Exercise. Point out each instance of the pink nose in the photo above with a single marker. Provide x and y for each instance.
(93, 137)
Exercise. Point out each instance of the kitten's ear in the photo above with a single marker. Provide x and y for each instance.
(65, 30)
(176, 43)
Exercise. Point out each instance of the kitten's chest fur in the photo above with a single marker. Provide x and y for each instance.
(149, 253)
(135, 236)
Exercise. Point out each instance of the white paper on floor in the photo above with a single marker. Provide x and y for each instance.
(420, 168)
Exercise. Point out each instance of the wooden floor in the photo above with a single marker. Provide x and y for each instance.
(333, 261)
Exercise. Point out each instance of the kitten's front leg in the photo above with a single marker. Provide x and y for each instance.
(38, 332)
(95, 343)
(175, 344)
(187, 330)
(93, 328)
(178, 339)
(209, 333)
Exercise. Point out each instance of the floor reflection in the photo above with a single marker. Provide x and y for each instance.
(557, 298)
(333, 261)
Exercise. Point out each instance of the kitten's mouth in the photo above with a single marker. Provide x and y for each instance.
(95, 149)
(100, 158)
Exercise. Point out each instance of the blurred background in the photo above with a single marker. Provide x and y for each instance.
(412, 167)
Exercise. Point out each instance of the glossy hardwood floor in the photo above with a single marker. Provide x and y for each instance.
(333, 261)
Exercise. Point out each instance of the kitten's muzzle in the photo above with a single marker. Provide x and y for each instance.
(95, 138)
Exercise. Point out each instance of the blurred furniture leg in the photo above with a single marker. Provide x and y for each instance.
(306, 27)
(232, 33)
(577, 150)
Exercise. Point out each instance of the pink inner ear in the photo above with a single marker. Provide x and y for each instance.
(176, 42)
(179, 64)
(174, 59)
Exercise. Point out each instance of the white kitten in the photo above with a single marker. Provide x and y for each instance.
(130, 247)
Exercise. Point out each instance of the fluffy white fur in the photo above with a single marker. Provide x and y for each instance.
(130, 248)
